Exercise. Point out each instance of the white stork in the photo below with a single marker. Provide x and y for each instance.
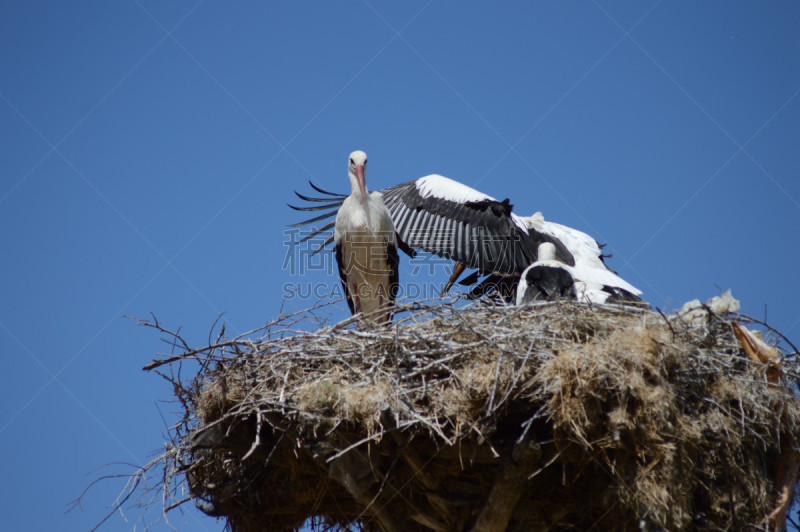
(548, 279)
(450, 219)
(366, 247)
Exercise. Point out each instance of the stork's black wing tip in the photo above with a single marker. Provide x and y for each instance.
(322, 191)
(470, 279)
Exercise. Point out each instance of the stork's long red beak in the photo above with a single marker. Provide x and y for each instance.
(361, 183)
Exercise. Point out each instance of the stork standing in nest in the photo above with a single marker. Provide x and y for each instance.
(366, 248)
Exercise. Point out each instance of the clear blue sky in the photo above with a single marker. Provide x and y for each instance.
(149, 148)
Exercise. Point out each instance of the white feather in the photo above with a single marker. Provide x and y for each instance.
(438, 186)
(441, 187)
(371, 216)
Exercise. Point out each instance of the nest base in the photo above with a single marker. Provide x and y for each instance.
(551, 417)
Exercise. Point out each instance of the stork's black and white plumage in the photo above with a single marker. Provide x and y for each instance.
(452, 220)
(594, 281)
(447, 218)
(366, 247)
(548, 279)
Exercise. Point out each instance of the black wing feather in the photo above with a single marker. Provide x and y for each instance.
(315, 219)
(394, 276)
(321, 191)
(620, 295)
(482, 234)
(334, 205)
(343, 277)
(325, 243)
(319, 231)
(334, 199)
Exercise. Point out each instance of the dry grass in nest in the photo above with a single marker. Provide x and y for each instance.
(549, 417)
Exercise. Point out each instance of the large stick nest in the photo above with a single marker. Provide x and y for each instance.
(549, 417)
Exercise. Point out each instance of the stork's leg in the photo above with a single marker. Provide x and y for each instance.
(457, 271)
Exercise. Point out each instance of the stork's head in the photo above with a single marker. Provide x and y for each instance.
(357, 168)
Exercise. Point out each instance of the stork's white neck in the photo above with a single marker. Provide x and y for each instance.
(547, 251)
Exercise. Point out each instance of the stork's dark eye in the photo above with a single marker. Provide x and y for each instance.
(351, 161)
